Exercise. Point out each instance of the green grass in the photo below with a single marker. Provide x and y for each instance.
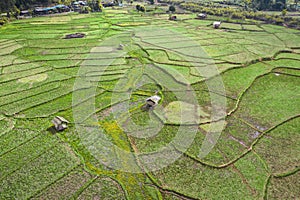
(270, 100)
(54, 163)
(284, 187)
(236, 81)
(38, 69)
(198, 181)
(279, 148)
(103, 188)
(67, 185)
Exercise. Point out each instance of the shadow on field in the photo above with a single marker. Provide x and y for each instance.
(52, 130)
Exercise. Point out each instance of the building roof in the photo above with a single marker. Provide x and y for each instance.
(62, 119)
(60, 6)
(154, 99)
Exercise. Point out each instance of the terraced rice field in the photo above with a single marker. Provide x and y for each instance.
(42, 75)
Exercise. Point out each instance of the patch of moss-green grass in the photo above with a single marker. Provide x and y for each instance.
(24, 152)
(271, 100)
(37, 99)
(233, 141)
(23, 74)
(195, 180)
(15, 138)
(38, 173)
(290, 39)
(253, 173)
(280, 147)
(236, 81)
(284, 187)
(285, 63)
(67, 186)
(49, 108)
(103, 188)
(288, 56)
(288, 71)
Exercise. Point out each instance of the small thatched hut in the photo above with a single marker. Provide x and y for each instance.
(201, 16)
(151, 102)
(217, 24)
(60, 123)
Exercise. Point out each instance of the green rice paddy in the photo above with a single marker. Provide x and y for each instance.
(255, 157)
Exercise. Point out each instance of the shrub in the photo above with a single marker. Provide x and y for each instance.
(278, 20)
(172, 9)
(138, 7)
(284, 12)
(3, 20)
(15, 12)
(85, 9)
(142, 9)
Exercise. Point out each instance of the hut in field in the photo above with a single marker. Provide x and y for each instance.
(74, 35)
(201, 16)
(217, 24)
(60, 123)
(25, 13)
(45, 11)
(174, 18)
(62, 8)
(121, 47)
(151, 102)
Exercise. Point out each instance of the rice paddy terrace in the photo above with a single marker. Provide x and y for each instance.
(256, 155)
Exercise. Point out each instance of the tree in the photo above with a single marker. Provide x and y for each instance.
(99, 6)
(284, 12)
(247, 4)
(262, 4)
(24, 4)
(96, 5)
(7, 6)
(142, 9)
(172, 9)
(116, 2)
(15, 11)
(66, 2)
(138, 7)
(280, 5)
(85, 9)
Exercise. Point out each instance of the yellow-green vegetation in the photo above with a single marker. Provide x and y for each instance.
(34, 78)
(256, 155)
(176, 112)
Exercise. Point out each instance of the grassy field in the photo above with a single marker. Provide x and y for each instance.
(255, 157)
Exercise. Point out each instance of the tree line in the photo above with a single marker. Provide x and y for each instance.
(12, 5)
(249, 5)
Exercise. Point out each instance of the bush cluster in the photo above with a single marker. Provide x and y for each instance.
(3, 20)
(240, 14)
(140, 8)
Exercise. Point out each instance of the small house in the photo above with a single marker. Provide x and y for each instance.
(121, 47)
(25, 13)
(217, 24)
(62, 8)
(151, 102)
(201, 16)
(174, 18)
(74, 35)
(60, 123)
(82, 3)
